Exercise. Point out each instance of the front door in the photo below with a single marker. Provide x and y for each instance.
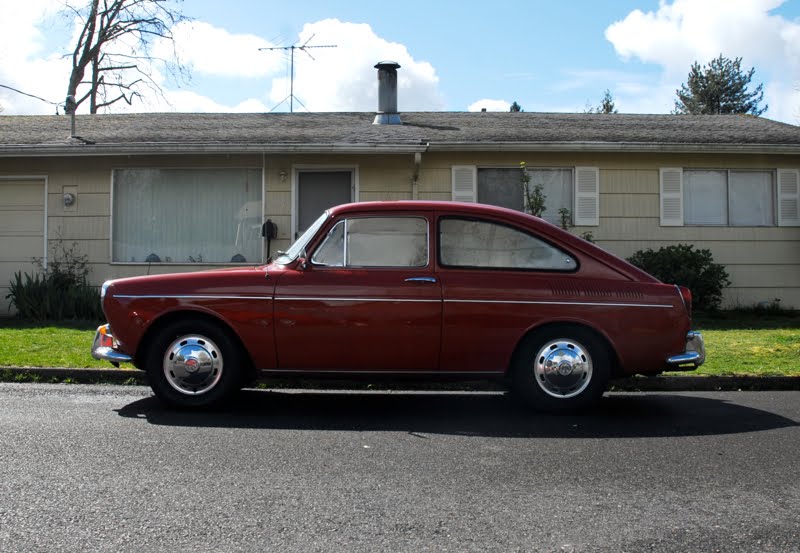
(368, 300)
(319, 190)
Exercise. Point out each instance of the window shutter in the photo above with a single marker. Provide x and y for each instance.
(587, 197)
(465, 178)
(671, 184)
(788, 197)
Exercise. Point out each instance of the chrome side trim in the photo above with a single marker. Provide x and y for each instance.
(189, 297)
(384, 300)
(588, 303)
(312, 372)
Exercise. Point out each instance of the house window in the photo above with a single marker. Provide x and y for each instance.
(728, 198)
(502, 187)
(187, 216)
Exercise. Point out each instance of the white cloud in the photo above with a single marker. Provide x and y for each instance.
(684, 31)
(23, 64)
(213, 51)
(489, 105)
(344, 78)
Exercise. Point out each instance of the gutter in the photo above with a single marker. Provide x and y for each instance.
(183, 148)
(156, 148)
(610, 147)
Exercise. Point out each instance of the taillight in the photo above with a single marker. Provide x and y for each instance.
(686, 296)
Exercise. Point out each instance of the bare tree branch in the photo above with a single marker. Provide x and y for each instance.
(115, 39)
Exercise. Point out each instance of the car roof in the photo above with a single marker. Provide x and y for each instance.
(430, 205)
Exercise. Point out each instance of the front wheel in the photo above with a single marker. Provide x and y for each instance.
(193, 363)
(561, 368)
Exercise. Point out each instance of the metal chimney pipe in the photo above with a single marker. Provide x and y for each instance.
(387, 94)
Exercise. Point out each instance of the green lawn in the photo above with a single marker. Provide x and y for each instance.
(737, 343)
(750, 343)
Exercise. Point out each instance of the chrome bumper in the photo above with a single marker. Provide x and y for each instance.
(103, 347)
(693, 357)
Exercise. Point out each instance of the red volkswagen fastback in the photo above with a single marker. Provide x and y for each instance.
(407, 289)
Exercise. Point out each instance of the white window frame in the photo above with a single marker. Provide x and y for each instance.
(460, 175)
(727, 171)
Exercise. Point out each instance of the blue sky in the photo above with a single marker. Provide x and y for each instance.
(455, 55)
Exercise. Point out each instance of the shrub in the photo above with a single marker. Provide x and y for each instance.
(58, 291)
(683, 265)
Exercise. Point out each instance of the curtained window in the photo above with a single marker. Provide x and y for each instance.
(187, 216)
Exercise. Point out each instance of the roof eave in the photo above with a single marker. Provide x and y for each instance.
(78, 149)
(64, 150)
(610, 147)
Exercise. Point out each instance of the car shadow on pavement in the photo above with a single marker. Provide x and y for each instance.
(479, 414)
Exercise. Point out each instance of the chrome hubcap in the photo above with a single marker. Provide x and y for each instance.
(563, 368)
(193, 365)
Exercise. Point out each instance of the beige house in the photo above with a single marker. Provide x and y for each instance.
(153, 193)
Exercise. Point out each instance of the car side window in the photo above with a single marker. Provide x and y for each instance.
(375, 242)
(483, 244)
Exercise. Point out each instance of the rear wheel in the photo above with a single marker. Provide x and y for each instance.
(561, 368)
(194, 363)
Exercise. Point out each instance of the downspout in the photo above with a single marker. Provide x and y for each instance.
(415, 176)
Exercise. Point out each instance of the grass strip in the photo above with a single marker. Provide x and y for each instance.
(737, 344)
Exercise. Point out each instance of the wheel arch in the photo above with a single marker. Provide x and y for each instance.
(172, 317)
(613, 357)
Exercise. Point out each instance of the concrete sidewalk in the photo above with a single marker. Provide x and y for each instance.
(631, 384)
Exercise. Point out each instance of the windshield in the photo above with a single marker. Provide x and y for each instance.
(300, 244)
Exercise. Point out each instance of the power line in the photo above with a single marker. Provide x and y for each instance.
(32, 96)
(303, 48)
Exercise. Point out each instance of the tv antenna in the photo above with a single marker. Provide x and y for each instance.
(303, 48)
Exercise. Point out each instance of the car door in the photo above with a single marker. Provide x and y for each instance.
(367, 299)
(497, 282)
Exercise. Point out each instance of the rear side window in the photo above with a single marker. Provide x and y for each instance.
(483, 244)
(375, 242)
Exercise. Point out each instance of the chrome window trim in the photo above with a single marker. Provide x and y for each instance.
(346, 220)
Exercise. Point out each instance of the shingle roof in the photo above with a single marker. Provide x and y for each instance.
(34, 135)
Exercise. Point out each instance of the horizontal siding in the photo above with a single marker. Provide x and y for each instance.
(368, 196)
(762, 261)
(629, 205)
(87, 204)
(435, 181)
(78, 228)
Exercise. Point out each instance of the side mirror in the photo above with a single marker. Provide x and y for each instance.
(303, 260)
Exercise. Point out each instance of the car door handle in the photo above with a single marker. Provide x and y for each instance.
(431, 280)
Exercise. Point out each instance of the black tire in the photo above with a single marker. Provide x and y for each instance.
(194, 363)
(561, 368)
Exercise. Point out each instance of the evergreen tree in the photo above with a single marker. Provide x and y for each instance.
(718, 88)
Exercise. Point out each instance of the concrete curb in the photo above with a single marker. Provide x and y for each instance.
(630, 384)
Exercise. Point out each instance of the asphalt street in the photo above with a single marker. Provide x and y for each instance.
(107, 468)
